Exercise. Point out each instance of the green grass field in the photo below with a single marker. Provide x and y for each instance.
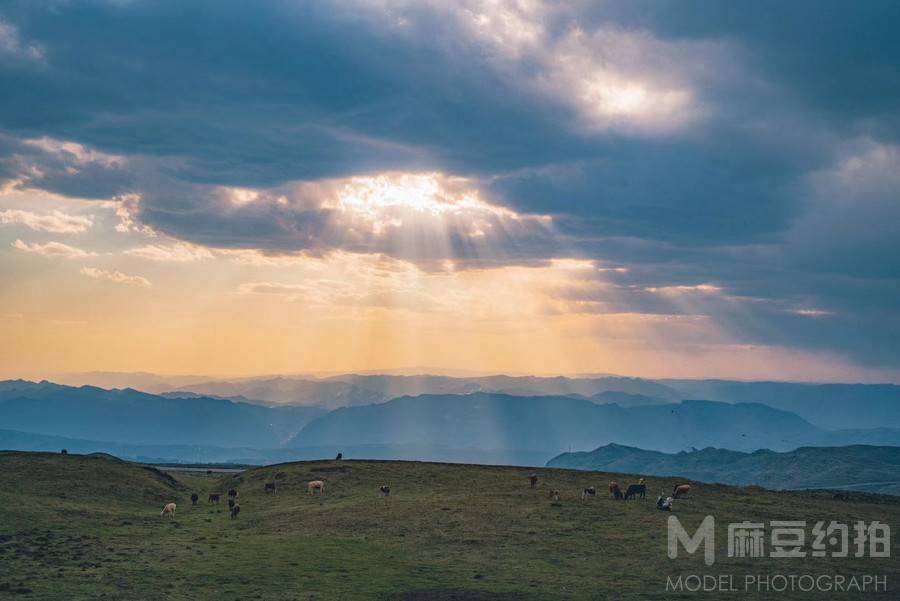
(75, 527)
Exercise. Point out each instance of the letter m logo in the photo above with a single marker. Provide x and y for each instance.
(705, 535)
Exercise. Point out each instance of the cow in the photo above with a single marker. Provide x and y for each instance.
(385, 491)
(339, 457)
(270, 488)
(634, 490)
(169, 510)
(214, 497)
(232, 493)
(315, 486)
(554, 494)
(614, 490)
(532, 479)
(235, 511)
(590, 491)
(680, 490)
(194, 498)
(231, 503)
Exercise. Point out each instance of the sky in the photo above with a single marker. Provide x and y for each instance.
(649, 188)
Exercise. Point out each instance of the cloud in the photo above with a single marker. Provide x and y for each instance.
(11, 45)
(56, 222)
(115, 276)
(686, 143)
(178, 253)
(53, 249)
(272, 288)
(682, 289)
(422, 217)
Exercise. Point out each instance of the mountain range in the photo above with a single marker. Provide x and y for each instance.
(514, 421)
(554, 423)
(134, 417)
(828, 406)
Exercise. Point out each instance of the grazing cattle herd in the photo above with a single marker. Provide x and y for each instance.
(313, 487)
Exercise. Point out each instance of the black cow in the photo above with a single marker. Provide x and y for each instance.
(590, 491)
(231, 503)
(232, 493)
(214, 497)
(235, 511)
(532, 479)
(270, 488)
(339, 457)
(385, 491)
(194, 498)
(634, 490)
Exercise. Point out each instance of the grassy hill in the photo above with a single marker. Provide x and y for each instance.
(77, 527)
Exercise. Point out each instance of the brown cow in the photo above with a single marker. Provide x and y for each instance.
(614, 490)
(214, 497)
(385, 490)
(532, 479)
(315, 486)
(235, 511)
(169, 510)
(554, 494)
(680, 490)
(270, 488)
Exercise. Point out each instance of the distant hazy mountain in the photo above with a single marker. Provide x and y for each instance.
(134, 417)
(624, 399)
(825, 405)
(870, 468)
(139, 380)
(24, 441)
(351, 390)
(552, 424)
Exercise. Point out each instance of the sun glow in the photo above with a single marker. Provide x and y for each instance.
(430, 194)
(430, 200)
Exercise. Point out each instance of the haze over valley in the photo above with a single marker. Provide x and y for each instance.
(486, 419)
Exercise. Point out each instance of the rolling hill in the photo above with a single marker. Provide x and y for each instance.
(88, 528)
(858, 467)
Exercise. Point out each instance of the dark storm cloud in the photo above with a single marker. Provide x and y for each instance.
(769, 177)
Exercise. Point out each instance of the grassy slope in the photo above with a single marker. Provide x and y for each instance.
(75, 527)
